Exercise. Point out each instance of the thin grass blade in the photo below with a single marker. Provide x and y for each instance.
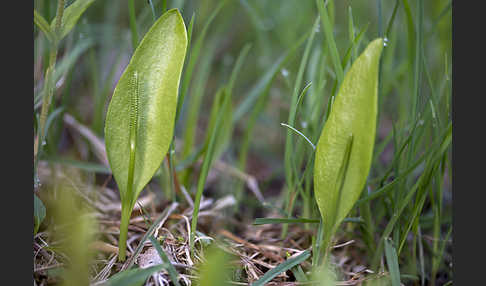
(282, 267)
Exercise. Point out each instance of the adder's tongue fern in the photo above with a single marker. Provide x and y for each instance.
(140, 120)
(345, 148)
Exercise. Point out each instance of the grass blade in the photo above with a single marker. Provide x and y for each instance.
(328, 31)
(44, 26)
(263, 85)
(172, 271)
(300, 133)
(133, 277)
(159, 221)
(208, 159)
(282, 267)
(193, 57)
(70, 17)
(133, 23)
(392, 261)
(85, 166)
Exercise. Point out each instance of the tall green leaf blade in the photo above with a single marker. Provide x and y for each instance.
(353, 113)
(158, 62)
(392, 261)
(141, 115)
(71, 16)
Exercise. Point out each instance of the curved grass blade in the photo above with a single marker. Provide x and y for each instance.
(282, 267)
(42, 24)
(140, 118)
(289, 158)
(194, 55)
(82, 165)
(261, 87)
(208, 159)
(133, 277)
(172, 271)
(299, 133)
(158, 222)
(64, 66)
(71, 16)
(326, 23)
(133, 23)
(226, 127)
(392, 261)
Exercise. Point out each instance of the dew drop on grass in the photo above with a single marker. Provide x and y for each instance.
(285, 72)
(385, 41)
(304, 124)
(44, 143)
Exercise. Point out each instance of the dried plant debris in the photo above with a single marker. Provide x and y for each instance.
(254, 250)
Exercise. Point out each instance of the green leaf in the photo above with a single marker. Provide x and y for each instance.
(133, 277)
(392, 261)
(39, 213)
(43, 25)
(140, 119)
(71, 16)
(157, 62)
(353, 115)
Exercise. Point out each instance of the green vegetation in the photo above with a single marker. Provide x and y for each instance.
(244, 142)
(345, 148)
(140, 119)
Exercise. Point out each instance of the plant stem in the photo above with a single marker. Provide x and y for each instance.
(122, 240)
(48, 86)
